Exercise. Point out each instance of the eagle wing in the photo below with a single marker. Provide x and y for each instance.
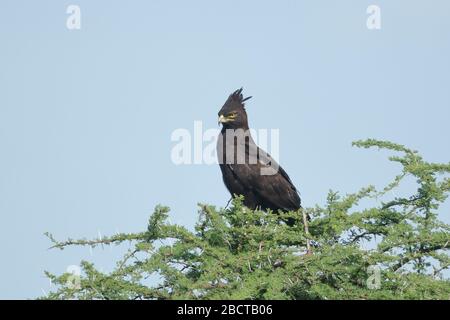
(275, 191)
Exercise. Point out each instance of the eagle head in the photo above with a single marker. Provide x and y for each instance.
(233, 115)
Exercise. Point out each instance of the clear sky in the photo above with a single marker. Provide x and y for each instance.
(86, 115)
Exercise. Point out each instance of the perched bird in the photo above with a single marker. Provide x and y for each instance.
(248, 170)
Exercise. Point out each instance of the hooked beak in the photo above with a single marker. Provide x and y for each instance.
(224, 119)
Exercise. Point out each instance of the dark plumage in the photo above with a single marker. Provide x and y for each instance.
(241, 171)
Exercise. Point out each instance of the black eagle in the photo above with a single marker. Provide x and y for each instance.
(248, 170)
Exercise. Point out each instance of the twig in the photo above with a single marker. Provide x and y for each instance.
(308, 242)
(228, 203)
(92, 243)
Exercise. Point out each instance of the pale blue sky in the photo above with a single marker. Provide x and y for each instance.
(86, 115)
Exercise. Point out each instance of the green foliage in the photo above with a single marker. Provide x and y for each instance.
(394, 249)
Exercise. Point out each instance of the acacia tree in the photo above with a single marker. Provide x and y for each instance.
(395, 249)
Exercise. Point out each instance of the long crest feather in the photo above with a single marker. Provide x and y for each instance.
(238, 97)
